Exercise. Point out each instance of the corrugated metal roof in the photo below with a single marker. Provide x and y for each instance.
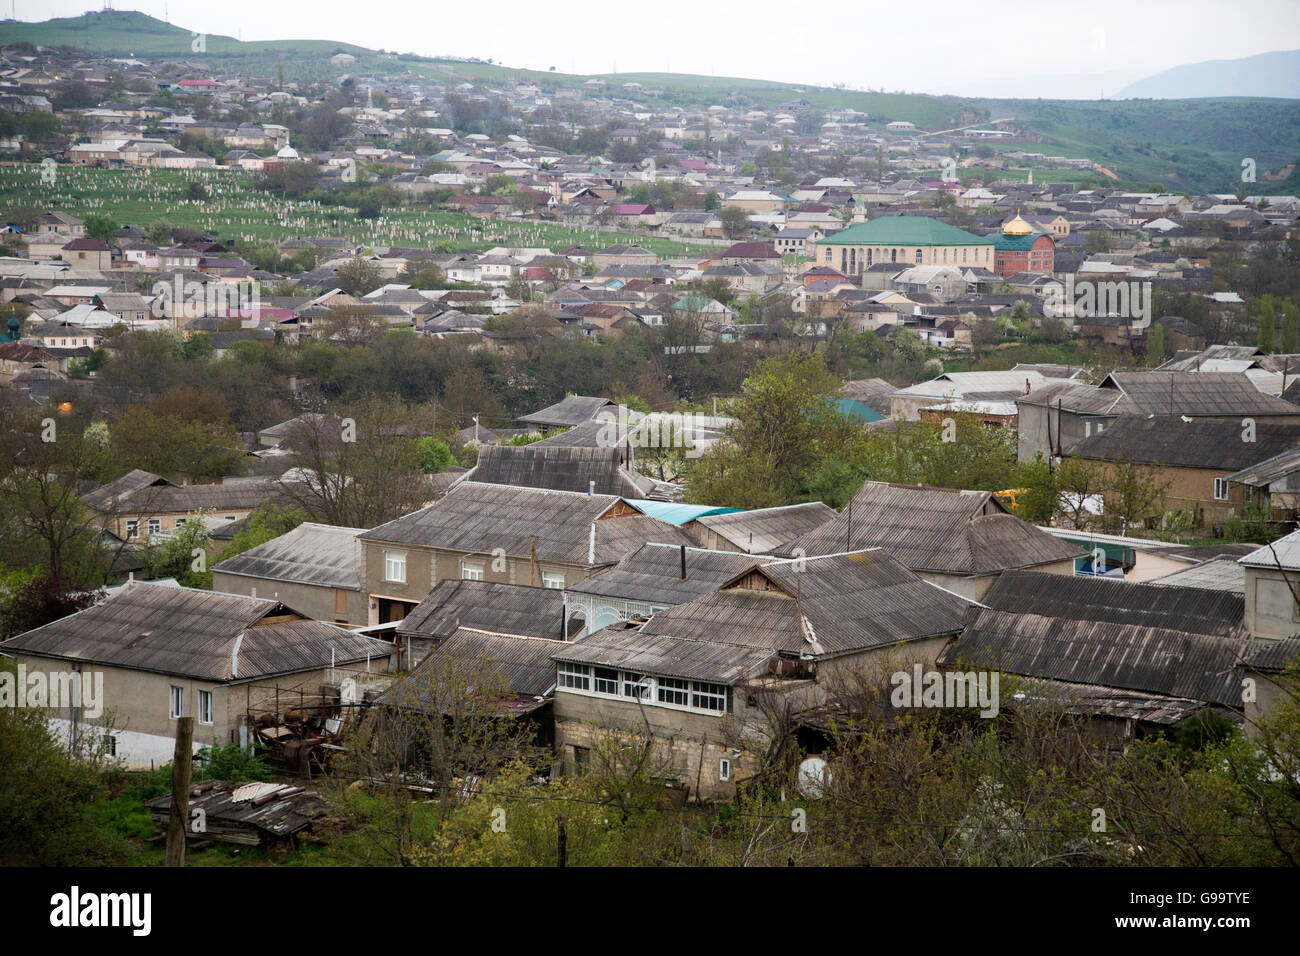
(1265, 472)
(1178, 642)
(935, 529)
(524, 664)
(318, 554)
(570, 410)
(1283, 553)
(488, 606)
(1193, 393)
(1170, 441)
(676, 512)
(1217, 574)
(559, 468)
(292, 809)
(192, 633)
(669, 656)
(479, 518)
(1266, 655)
(766, 530)
(653, 572)
(849, 602)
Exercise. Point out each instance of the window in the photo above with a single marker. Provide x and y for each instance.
(155, 525)
(637, 685)
(574, 676)
(177, 701)
(180, 522)
(395, 566)
(724, 769)
(708, 696)
(205, 706)
(918, 256)
(471, 570)
(133, 528)
(674, 691)
(110, 744)
(553, 580)
(606, 681)
(1220, 489)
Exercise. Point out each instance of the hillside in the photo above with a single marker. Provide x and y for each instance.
(1184, 145)
(1268, 74)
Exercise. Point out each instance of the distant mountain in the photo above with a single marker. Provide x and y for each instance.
(1268, 74)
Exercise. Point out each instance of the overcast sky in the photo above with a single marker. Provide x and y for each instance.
(972, 47)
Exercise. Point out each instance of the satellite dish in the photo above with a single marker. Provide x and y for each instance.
(813, 778)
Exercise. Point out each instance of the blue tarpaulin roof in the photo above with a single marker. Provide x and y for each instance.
(856, 409)
(674, 512)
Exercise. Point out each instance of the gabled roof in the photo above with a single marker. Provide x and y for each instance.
(500, 608)
(193, 633)
(560, 468)
(524, 664)
(480, 518)
(666, 655)
(766, 530)
(1176, 641)
(653, 573)
(1200, 443)
(849, 602)
(570, 410)
(936, 529)
(317, 554)
(1193, 393)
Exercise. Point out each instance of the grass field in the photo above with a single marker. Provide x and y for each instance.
(235, 210)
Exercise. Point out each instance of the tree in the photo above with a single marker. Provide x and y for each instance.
(1133, 493)
(424, 274)
(268, 521)
(358, 276)
(785, 423)
(1079, 484)
(360, 467)
(350, 325)
(735, 222)
(434, 455)
(183, 433)
(1267, 319)
(1155, 344)
(1290, 327)
(102, 226)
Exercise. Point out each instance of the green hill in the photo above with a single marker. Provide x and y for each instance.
(1187, 145)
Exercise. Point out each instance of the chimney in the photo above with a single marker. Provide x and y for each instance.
(591, 488)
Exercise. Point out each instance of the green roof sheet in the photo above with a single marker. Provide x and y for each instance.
(904, 231)
(674, 512)
(1005, 243)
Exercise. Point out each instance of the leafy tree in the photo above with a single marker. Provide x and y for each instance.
(435, 457)
(102, 226)
(735, 222)
(268, 521)
(358, 276)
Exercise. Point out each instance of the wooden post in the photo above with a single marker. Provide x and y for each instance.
(179, 818)
(561, 841)
(532, 560)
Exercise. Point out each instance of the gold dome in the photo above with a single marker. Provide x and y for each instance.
(1017, 227)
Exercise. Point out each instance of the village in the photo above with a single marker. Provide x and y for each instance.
(386, 447)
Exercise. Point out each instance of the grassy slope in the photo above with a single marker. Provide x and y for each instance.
(1186, 145)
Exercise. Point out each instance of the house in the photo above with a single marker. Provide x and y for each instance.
(315, 568)
(761, 531)
(699, 676)
(1056, 416)
(169, 652)
(910, 240)
(650, 579)
(1195, 458)
(623, 255)
(86, 253)
(598, 470)
(1131, 659)
(1272, 485)
(141, 504)
(488, 532)
(487, 607)
(960, 540)
(569, 411)
(1019, 247)
(906, 403)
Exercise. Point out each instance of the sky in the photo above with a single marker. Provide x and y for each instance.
(1049, 48)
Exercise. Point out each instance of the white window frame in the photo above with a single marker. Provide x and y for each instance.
(473, 570)
(395, 562)
(1220, 489)
(155, 526)
(572, 676)
(604, 684)
(553, 580)
(724, 769)
(175, 701)
(132, 528)
(205, 698)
